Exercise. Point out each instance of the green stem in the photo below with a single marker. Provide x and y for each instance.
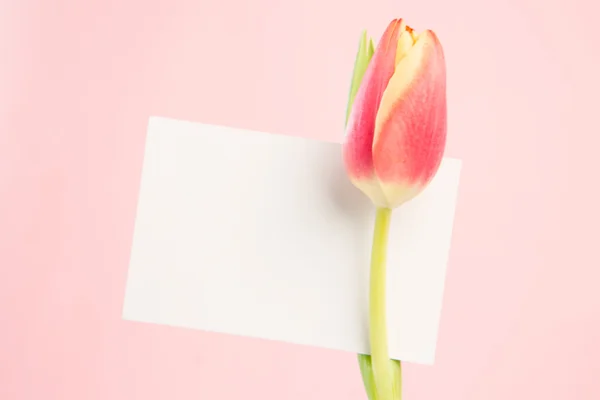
(382, 368)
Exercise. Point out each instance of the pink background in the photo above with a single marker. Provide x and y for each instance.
(78, 80)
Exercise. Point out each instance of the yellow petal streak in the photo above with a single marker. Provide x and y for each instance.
(405, 72)
(405, 42)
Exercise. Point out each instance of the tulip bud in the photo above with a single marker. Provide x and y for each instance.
(396, 130)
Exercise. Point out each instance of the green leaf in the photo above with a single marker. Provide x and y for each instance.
(371, 49)
(366, 370)
(363, 58)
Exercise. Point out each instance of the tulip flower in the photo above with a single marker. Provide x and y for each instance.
(393, 147)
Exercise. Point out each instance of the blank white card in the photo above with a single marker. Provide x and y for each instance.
(262, 235)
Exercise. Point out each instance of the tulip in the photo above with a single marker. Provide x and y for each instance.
(396, 130)
(395, 139)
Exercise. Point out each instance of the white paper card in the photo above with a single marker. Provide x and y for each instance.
(262, 235)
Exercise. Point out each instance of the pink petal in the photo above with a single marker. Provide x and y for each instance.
(358, 154)
(410, 132)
